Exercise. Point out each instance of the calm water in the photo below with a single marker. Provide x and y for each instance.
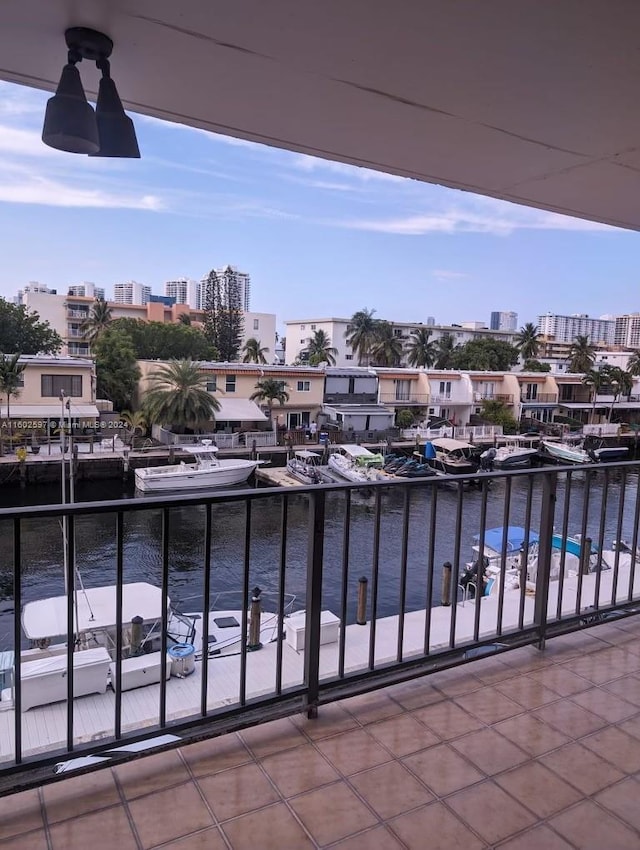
(95, 539)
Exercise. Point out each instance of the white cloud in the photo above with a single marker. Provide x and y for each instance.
(45, 192)
(446, 274)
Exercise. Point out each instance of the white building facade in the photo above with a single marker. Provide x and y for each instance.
(505, 320)
(86, 290)
(131, 292)
(184, 290)
(567, 328)
(236, 286)
(627, 330)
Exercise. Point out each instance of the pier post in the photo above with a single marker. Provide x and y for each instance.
(446, 584)
(585, 556)
(172, 454)
(254, 620)
(254, 453)
(136, 636)
(361, 615)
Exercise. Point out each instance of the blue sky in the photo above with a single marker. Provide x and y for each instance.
(319, 238)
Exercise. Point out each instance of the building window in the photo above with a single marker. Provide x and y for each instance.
(256, 324)
(302, 341)
(304, 386)
(230, 384)
(313, 327)
(212, 383)
(303, 327)
(348, 357)
(445, 389)
(51, 385)
(531, 392)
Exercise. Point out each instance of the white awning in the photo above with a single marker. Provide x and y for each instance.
(49, 411)
(239, 410)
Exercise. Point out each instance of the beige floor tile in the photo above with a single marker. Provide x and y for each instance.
(274, 828)
(489, 751)
(489, 705)
(447, 720)
(632, 726)
(207, 839)
(492, 670)
(273, 737)
(369, 708)
(490, 812)
(20, 813)
(378, 838)
(460, 680)
(539, 789)
(27, 841)
(403, 735)
(103, 830)
(331, 720)
(605, 705)
(151, 773)
(561, 680)
(298, 770)
(435, 827)
(588, 827)
(582, 768)
(415, 694)
(527, 691)
(615, 746)
(332, 813)
(569, 718)
(627, 689)
(623, 800)
(237, 791)
(353, 751)
(169, 814)
(537, 838)
(531, 734)
(79, 795)
(215, 754)
(443, 770)
(528, 658)
(390, 790)
(605, 666)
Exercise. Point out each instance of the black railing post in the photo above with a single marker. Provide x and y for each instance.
(315, 553)
(543, 572)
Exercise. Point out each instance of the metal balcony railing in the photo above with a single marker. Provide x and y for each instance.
(404, 398)
(540, 398)
(505, 398)
(378, 608)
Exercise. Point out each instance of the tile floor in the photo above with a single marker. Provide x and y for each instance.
(525, 751)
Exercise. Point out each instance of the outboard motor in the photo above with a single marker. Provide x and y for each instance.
(487, 458)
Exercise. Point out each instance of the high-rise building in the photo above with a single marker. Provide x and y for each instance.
(235, 285)
(32, 287)
(567, 328)
(184, 290)
(86, 290)
(627, 330)
(504, 321)
(131, 293)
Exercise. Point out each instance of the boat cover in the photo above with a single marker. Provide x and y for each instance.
(493, 538)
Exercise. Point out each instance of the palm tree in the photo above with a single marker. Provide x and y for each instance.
(253, 353)
(633, 364)
(97, 321)
(581, 355)
(528, 341)
(269, 390)
(135, 422)
(178, 398)
(360, 334)
(320, 349)
(386, 348)
(10, 380)
(421, 351)
(618, 382)
(595, 380)
(445, 346)
(184, 319)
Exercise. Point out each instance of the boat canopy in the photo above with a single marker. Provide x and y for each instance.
(493, 538)
(354, 450)
(305, 454)
(47, 618)
(448, 444)
(206, 447)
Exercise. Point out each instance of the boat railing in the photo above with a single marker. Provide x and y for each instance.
(375, 565)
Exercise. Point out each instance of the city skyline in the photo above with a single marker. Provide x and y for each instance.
(318, 238)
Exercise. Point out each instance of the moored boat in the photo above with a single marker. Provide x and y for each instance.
(517, 453)
(304, 466)
(452, 457)
(207, 471)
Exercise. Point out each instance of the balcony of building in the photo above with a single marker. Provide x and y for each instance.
(538, 398)
(505, 398)
(405, 398)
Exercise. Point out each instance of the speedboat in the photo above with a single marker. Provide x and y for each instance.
(207, 471)
(567, 452)
(517, 453)
(452, 457)
(304, 467)
(355, 463)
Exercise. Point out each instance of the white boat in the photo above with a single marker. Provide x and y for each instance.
(517, 453)
(304, 466)
(567, 452)
(355, 463)
(207, 471)
(451, 457)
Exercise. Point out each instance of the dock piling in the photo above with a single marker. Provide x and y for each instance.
(585, 556)
(254, 620)
(361, 615)
(446, 584)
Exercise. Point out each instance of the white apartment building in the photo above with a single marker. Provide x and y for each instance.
(131, 292)
(505, 320)
(261, 326)
(627, 330)
(567, 328)
(299, 333)
(86, 290)
(32, 287)
(235, 284)
(184, 290)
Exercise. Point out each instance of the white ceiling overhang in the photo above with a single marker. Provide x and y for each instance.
(531, 102)
(239, 410)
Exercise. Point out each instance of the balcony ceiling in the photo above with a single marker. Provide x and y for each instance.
(537, 103)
